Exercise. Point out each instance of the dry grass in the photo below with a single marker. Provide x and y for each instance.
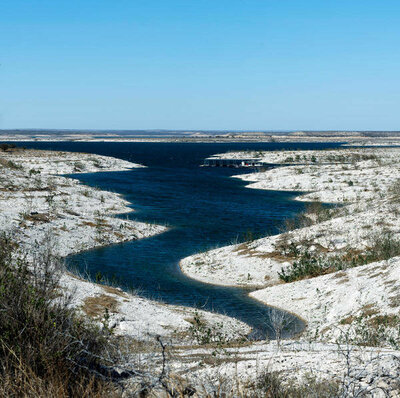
(387, 320)
(95, 307)
(342, 277)
(244, 249)
(394, 301)
(37, 217)
(348, 320)
(89, 224)
(114, 290)
(119, 235)
(339, 274)
(25, 383)
(369, 310)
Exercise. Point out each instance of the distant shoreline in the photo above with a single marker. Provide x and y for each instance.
(356, 139)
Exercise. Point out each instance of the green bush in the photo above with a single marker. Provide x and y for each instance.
(315, 212)
(204, 334)
(309, 265)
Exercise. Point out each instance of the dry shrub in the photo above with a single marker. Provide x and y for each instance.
(273, 385)
(24, 382)
(314, 213)
(46, 348)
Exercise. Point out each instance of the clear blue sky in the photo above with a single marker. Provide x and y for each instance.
(200, 64)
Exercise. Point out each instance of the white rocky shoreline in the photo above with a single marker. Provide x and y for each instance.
(38, 205)
(364, 183)
(32, 206)
(347, 177)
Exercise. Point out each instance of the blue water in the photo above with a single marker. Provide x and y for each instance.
(203, 207)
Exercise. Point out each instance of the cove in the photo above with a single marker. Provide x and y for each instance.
(203, 208)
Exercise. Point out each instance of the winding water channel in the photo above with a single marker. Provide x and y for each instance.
(203, 207)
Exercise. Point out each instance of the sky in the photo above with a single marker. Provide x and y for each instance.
(200, 64)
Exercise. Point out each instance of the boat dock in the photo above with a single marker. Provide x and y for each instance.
(234, 163)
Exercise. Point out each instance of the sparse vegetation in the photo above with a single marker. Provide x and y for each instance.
(78, 166)
(308, 265)
(46, 348)
(394, 191)
(5, 147)
(48, 362)
(10, 164)
(211, 335)
(373, 330)
(314, 213)
(273, 385)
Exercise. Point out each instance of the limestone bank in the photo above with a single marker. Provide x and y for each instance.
(39, 206)
(363, 186)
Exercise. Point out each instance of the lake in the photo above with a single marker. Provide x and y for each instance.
(203, 207)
